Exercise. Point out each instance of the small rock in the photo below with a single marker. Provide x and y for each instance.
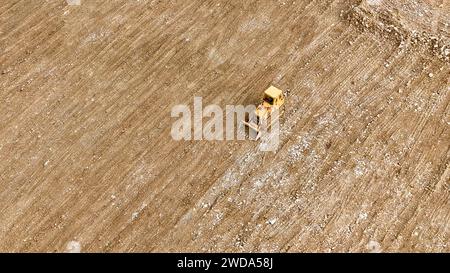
(374, 247)
(73, 247)
(134, 216)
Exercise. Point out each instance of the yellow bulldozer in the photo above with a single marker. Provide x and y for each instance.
(263, 119)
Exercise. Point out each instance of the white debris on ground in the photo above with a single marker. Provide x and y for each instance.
(270, 175)
(259, 23)
(233, 177)
(269, 142)
(218, 216)
(73, 2)
(135, 214)
(73, 247)
(296, 151)
(374, 2)
(362, 216)
(360, 168)
(96, 36)
(215, 56)
(374, 247)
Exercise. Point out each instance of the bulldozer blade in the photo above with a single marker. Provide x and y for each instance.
(254, 127)
(251, 125)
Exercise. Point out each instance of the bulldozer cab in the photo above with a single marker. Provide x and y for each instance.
(273, 97)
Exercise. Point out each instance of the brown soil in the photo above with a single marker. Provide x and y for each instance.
(87, 161)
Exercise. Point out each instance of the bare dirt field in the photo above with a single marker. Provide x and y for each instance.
(87, 161)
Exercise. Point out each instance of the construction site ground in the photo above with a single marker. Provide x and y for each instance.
(87, 161)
